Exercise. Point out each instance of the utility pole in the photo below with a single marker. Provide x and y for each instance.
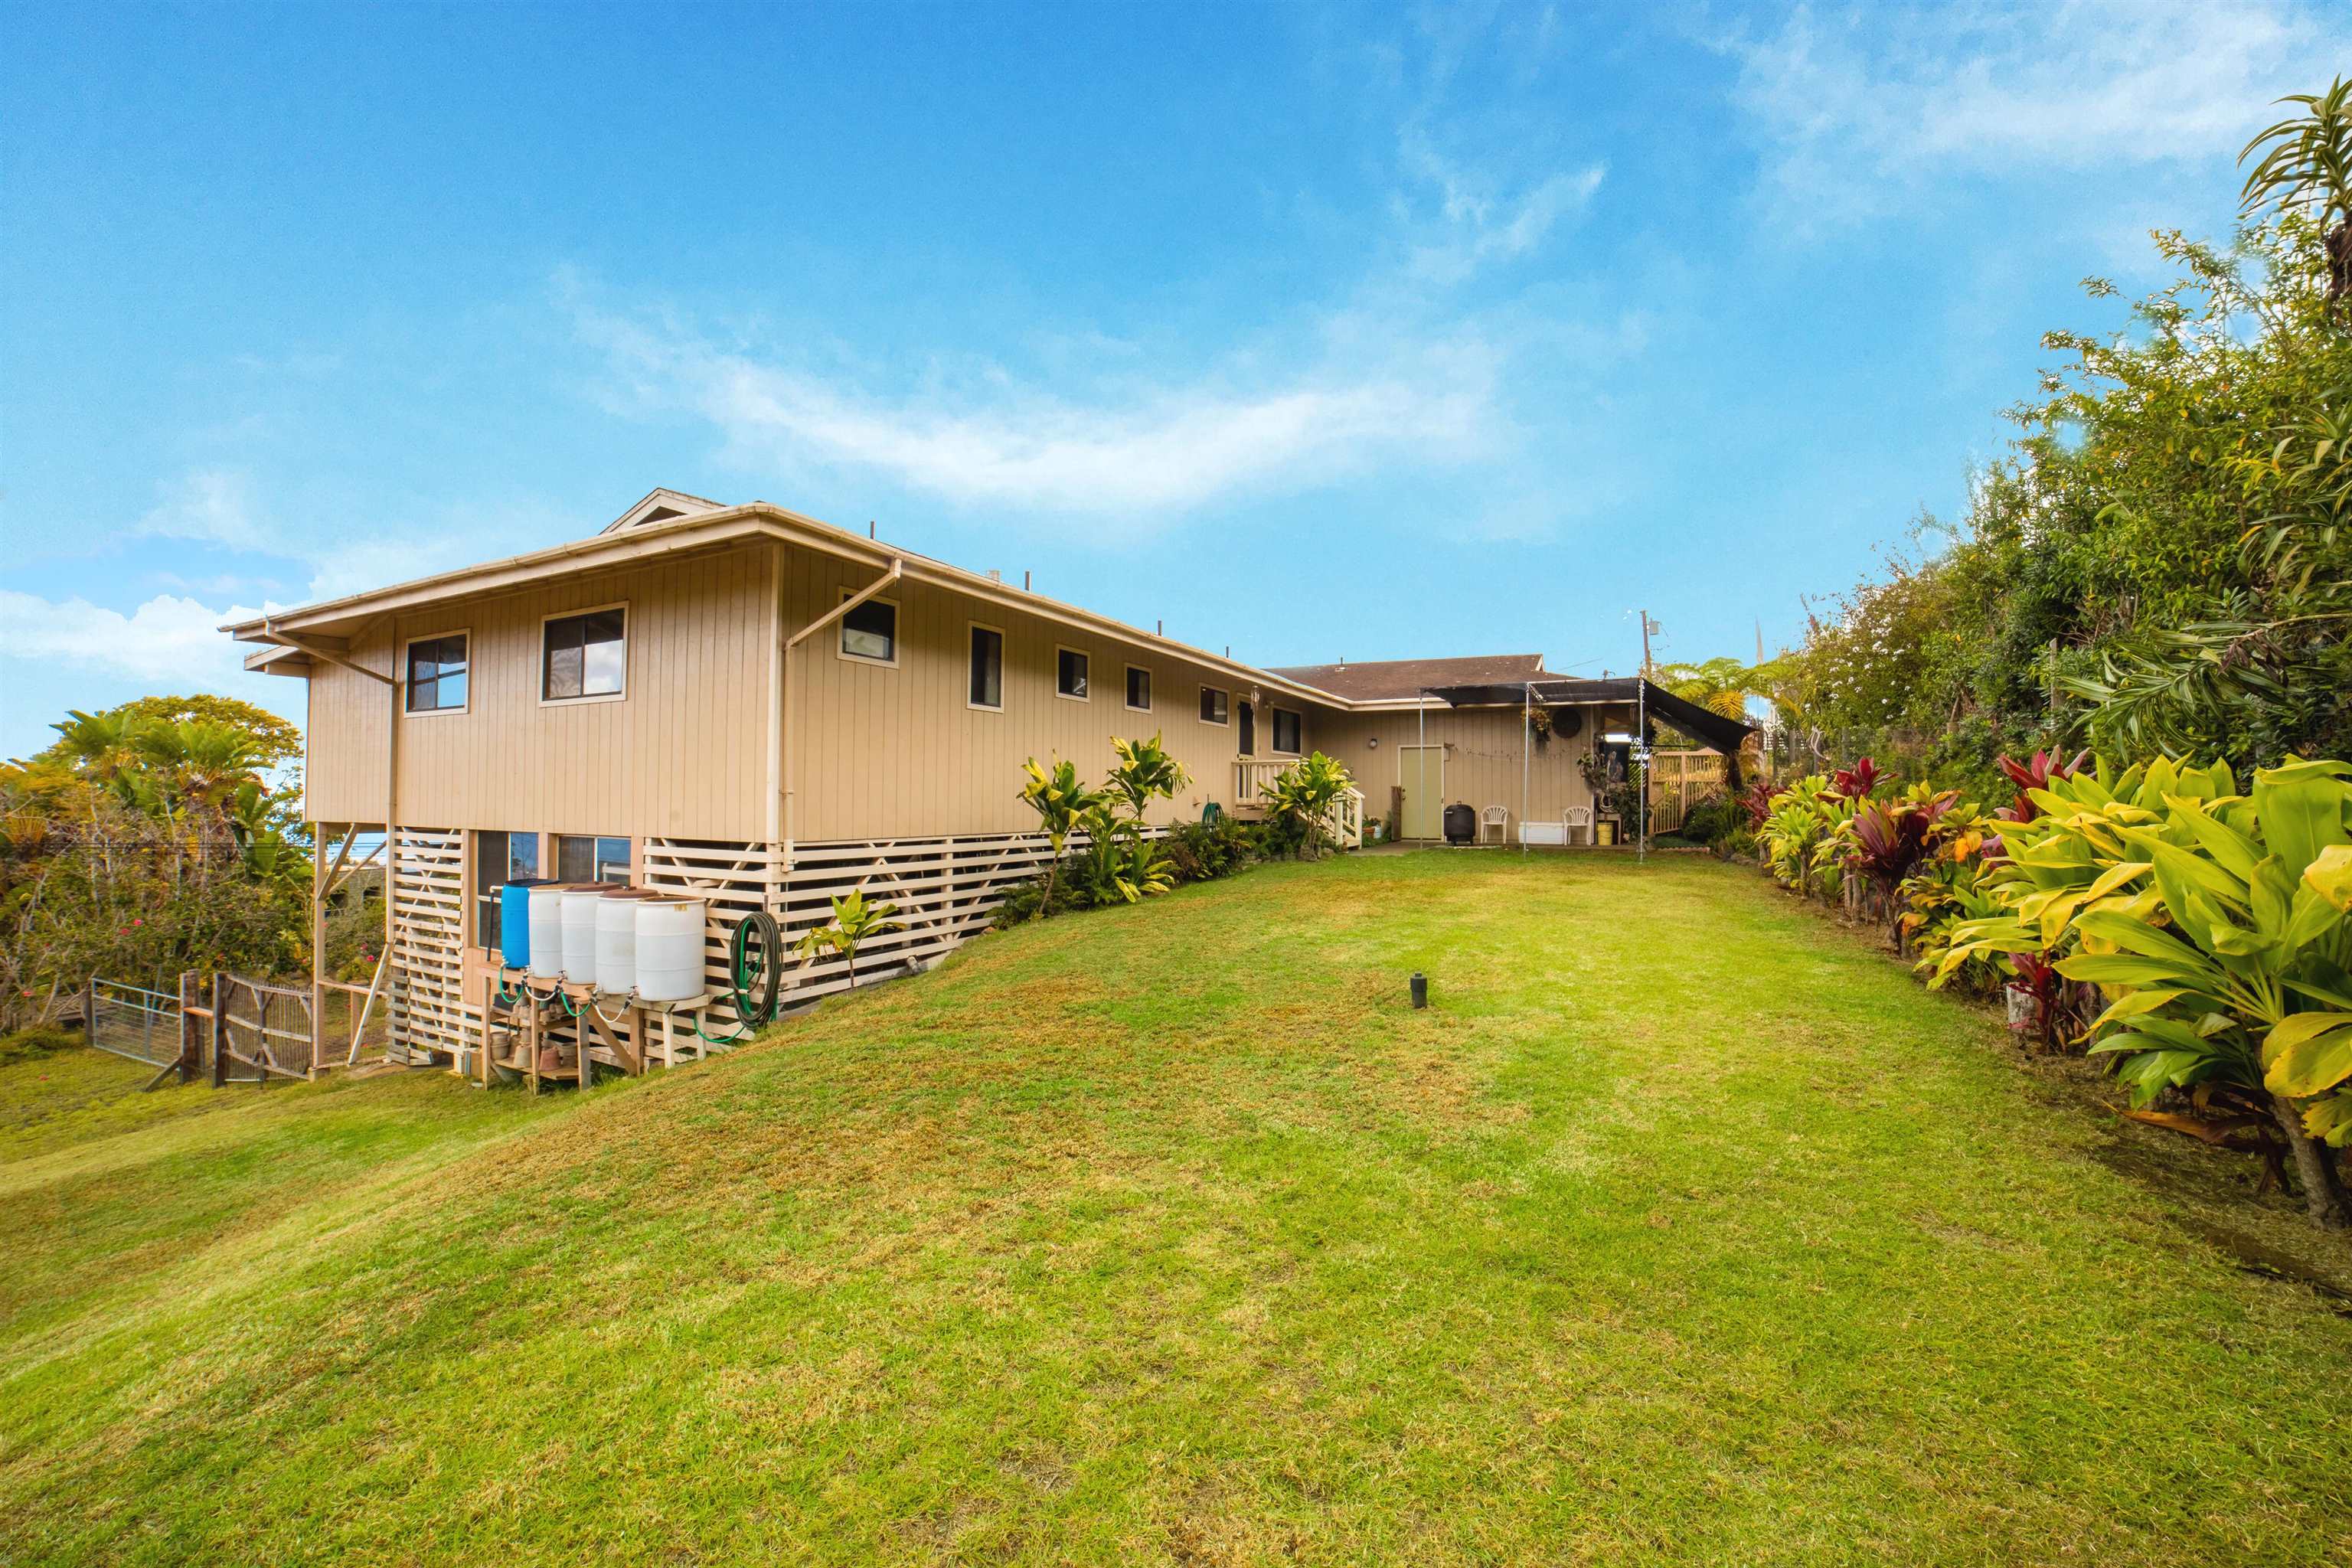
(1642, 738)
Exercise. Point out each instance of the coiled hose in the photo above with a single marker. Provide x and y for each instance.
(755, 969)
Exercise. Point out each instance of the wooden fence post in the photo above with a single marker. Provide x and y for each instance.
(191, 1042)
(220, 1031)
(89, 1012)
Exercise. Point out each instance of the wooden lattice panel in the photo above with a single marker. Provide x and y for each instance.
(429, 1013)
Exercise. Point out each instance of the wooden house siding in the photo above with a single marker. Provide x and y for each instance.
(897, 752)
(684, 750)
(1483, 758)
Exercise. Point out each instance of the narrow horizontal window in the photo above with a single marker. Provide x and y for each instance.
(1286, 731)
(437, 674)
(1138, 689)
(987, 668)
(870, 632)
(1070, 673)
(585, 656)
(590, 857)
(1214, 709)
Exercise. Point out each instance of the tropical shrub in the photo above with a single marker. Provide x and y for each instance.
(1299, 804)
(2217, 927)
(1060, 803)
(855, 922)
(1801, 837)
(1203, 851)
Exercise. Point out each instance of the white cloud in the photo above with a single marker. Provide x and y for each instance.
(212, 505)
(1858, 108)
(1143, 454)
(169, 638)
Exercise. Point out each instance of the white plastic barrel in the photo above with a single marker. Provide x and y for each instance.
(616, 940)
(580, 905)
(547, 931)
(669, 949)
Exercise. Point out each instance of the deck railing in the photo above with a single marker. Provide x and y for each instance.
(1252, 775)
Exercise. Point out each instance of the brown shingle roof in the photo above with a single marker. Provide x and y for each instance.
(1396, 677)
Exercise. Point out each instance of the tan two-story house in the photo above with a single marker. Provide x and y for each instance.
(765, 710)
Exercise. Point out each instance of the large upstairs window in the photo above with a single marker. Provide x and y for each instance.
(584, 655)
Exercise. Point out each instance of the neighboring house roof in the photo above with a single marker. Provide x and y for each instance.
(1389, 680)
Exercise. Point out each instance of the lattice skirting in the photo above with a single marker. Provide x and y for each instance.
(945, 891)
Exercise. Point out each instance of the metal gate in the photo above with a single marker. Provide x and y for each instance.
(132, 1021)
(263, 1028)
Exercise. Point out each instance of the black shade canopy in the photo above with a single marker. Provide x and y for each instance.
(1718, 732)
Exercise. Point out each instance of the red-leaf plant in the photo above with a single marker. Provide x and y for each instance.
(1891, 838)
(1856, 781)
(2033, 775)
(1757, 801)
(2041, 981)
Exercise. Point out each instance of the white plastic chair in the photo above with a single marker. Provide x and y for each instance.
(1499, 819)
(1578, 819)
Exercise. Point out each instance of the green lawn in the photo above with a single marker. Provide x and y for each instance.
(1684, 1227)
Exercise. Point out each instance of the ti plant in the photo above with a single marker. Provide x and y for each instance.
(1060, 803)
(1857, 781)
(1144, 772)
(1119, 867)
(854, 922)
(2217, 927)
(2033, 774)
(1891, 838)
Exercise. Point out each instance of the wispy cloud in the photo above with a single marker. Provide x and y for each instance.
(212, 505)
(345, 546)
(1859, 111)
(1480, 219)
(1146, 454)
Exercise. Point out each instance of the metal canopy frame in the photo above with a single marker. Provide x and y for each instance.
(1719, 734)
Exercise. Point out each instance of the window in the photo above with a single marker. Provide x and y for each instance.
(437, 674)
(583, 655)
(870, 632)
(1138, 689)
(498, 858)
(987, 689)
(1214, 708)
(1070, 673)
(1286, 731)
(581, 858)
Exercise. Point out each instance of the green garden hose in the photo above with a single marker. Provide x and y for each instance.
(755, 968)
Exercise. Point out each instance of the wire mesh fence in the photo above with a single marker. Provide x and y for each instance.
(132, 1021)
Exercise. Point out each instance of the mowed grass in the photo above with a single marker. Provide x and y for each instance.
(1684, 1227)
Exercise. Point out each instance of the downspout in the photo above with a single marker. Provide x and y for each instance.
(792, 753)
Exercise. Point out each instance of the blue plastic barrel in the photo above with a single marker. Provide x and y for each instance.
(514, 921)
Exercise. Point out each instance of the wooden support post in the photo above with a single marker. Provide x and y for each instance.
(89, 1012)
(319, 947)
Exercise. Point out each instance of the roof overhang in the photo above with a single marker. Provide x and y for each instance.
(702, 532)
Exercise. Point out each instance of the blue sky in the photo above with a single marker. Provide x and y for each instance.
(1317, 331)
